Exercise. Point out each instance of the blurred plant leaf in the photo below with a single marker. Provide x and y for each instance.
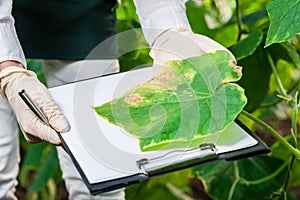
(251, 178)
(248, 45)
(126, 11)
(167, 187)
(284, 69)
(285, 51)
(218, 12)
(279, 151)
(250, 6)
(46, 170)
(34, 154)
(36, 65)
(225, 35)
(285, 21)
(195, 13)
(147, 191)
(134, 51)
(32, 160)
(133, 48)
(255, 79)
(255, 16)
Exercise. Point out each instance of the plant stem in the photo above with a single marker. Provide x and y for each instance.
(237, 179)
(294, 135)
(289, 173)
(273, 103)
(267, 178)
(239, 20)
(232, 188)
(294, 120)
(280, 85)
(285, 143)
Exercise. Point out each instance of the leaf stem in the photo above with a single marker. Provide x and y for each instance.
(294, 135)
(266, 178)
(295, 119)
(289, 173)
(285, 143)
(273, 103)
(237, 179)
(239, 20)
(279, 83)
(232, 189)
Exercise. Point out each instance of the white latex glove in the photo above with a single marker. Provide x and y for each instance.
(181, 43)
(13, 80)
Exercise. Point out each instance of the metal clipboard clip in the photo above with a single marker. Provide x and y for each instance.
(177, 159)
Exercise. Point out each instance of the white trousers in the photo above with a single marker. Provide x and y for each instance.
(57, 72)
(9, 151)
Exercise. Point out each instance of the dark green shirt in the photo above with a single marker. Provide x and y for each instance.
(65, 29)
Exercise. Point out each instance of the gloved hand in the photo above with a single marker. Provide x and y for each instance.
(181, 43)
(13, 80)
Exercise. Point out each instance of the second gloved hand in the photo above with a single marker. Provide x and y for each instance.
(13, 80)
(181, 43)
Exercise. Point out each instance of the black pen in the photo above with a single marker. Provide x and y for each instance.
(32, 105)
(37, 111)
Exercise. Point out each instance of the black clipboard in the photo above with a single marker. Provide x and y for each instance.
(88, 136)
(209, 156)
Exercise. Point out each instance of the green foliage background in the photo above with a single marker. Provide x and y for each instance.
(264, 37)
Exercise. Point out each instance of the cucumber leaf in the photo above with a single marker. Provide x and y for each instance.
(247, 46)
(259, 177)
(285, 21)
(187, 101)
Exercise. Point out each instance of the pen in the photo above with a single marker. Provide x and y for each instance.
(31, 104)
(37, 111)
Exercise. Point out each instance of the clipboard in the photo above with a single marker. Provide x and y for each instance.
(109, 158)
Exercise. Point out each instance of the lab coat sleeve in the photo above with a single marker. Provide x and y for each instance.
(157, 16)
(10, 48)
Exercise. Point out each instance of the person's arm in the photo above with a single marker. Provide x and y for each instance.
(14, 77)
(157, 16)
(9, 63)
(11, 53)
(166, 28)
